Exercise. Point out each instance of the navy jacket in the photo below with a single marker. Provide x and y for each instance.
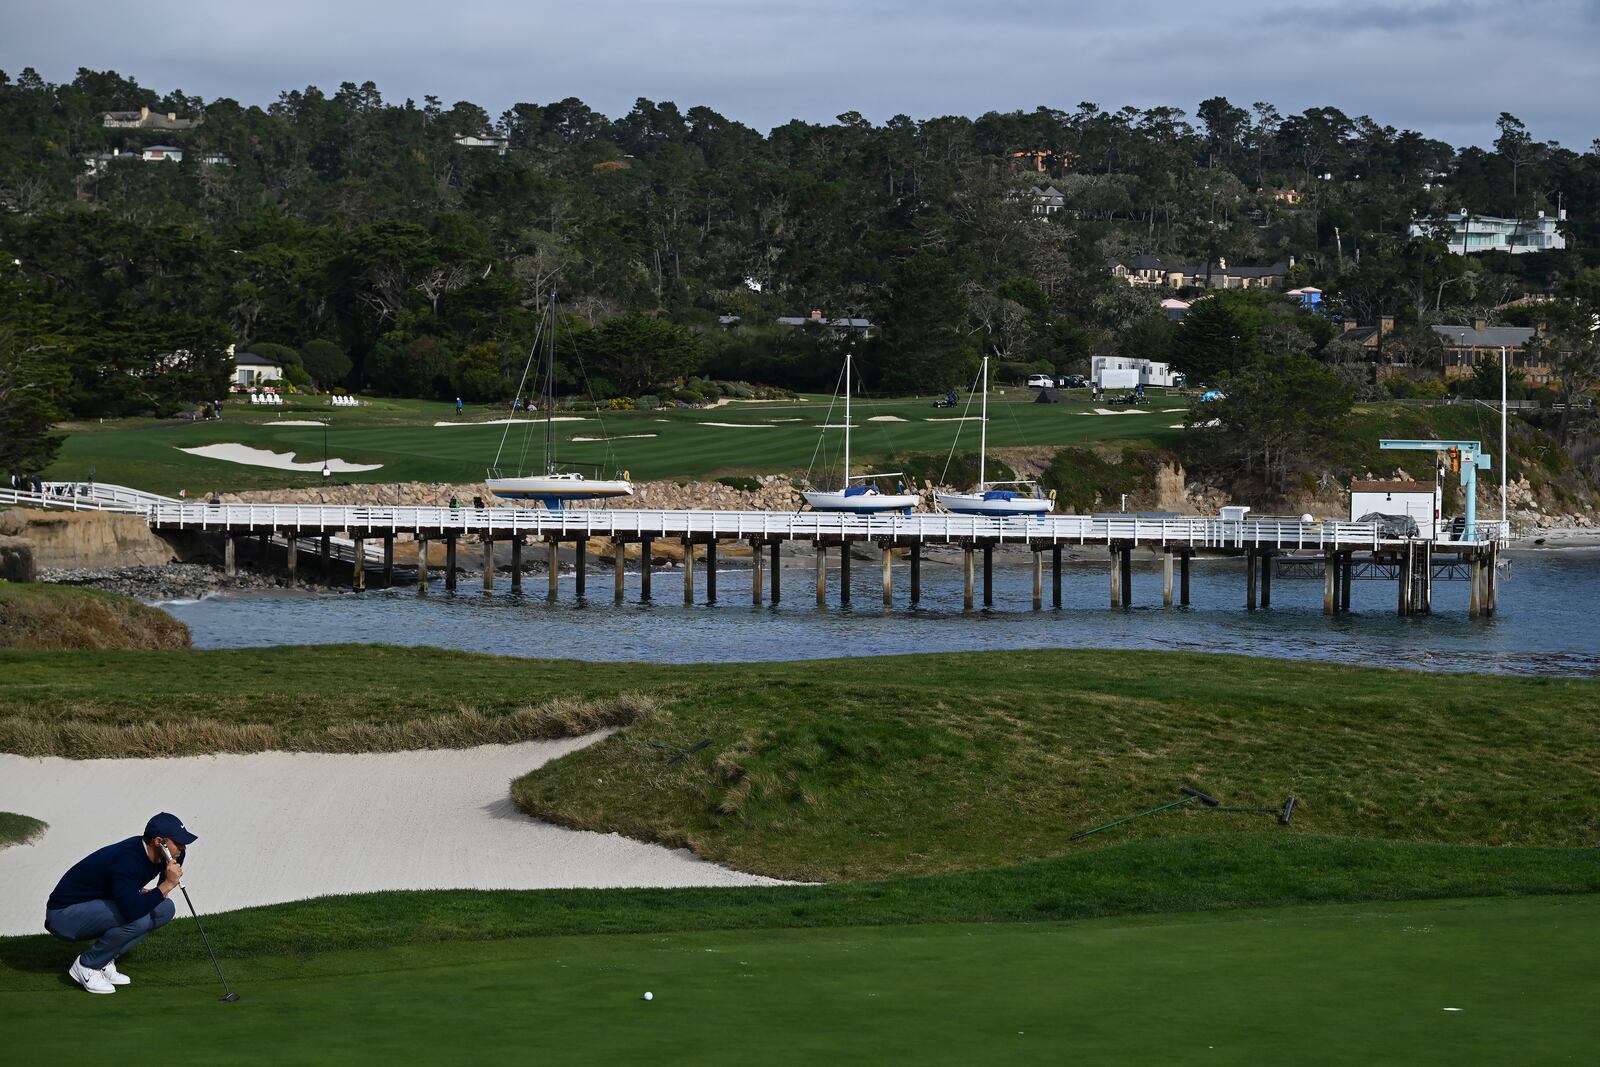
(117, 873)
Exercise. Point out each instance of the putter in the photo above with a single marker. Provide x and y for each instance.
(228, 995)
(1190, 795)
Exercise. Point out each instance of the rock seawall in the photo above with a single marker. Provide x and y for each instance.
(69, 539)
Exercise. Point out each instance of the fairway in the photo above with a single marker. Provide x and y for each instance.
(1355, 984)
(764, 438)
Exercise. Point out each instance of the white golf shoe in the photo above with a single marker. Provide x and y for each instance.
(114, 976)
(92, 980)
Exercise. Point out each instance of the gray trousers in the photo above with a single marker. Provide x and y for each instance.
(102, 919)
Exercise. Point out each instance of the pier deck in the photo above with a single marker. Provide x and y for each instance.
(1341, 548)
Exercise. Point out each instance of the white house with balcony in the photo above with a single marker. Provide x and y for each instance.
(1468, 234)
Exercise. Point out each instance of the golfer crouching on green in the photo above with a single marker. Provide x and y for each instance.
(103, 896)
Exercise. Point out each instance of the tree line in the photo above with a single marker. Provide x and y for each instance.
(356, 233)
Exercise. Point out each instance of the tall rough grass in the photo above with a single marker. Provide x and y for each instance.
(51, 618)
(467, 726)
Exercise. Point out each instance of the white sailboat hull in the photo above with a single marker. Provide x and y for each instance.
(979, 504)
(558, 487)
(861, 503)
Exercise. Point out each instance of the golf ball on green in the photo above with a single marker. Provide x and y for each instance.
(649, 996)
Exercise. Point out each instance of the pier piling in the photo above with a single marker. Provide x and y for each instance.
(580, 567)
(1116, 577)
(1166, 577)
(619, 559)
(488, 564)
(1250, 556)
(388, 561)
(916, 573)
(516, 564)
(822, 575)
(777, 572)
(711, 572)
(553, 569)
(264, 546)
(450, 562)
(1330, 583)
(325, 557)
(1266, 556)
(291, 558)
(1184, 557)
(888, 575)
(967, 572)
(1127, 574)
(757, 556)
(988, 576)
(688, 571)
(644, 567)
(230, 545)
(844, 572)
(422, 564)
(1038, 580)
(358, 569)
(1055, 576)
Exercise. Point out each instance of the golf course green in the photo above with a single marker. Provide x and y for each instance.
(1448, 982)
(738, 438)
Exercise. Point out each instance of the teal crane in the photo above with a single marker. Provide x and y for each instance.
(1464, 457)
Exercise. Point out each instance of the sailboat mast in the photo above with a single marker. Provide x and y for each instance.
(550, 395)
(983, 427)
(847, 419)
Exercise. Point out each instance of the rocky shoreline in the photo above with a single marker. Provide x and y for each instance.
(172, 581)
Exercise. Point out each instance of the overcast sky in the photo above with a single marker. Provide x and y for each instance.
(1445, 67)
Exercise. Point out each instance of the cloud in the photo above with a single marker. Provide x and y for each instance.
(1447, 69)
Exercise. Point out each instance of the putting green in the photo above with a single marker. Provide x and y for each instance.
(1355, 984)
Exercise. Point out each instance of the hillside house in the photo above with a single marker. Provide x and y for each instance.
(1468, 234)
(499, 145)
(1047, 201)
(1168, 274)
(834, 327)
(1465, 347)
(145, 119)
(162, 153)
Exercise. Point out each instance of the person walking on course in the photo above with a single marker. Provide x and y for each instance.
(458, 407)
(104, 897)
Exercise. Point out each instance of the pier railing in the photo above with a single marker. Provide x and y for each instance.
(167, 513)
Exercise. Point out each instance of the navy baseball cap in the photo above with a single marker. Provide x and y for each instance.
(167, 824)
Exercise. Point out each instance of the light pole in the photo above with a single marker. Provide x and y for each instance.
(325, 471)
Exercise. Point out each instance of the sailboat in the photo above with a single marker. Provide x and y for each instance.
(987, 498)
(554, 487)
(866, 498)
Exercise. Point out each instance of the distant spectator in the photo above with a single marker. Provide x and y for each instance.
(477, 503)
(458, 405)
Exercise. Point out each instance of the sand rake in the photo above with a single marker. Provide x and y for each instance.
(1284, 812)
(1190, 796)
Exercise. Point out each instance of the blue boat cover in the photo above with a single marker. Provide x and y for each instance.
(999, 494)
(860, 490)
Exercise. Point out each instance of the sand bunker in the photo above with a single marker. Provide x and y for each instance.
(1121, 411)
(516, 422)
(786, 420)
(283, 461)
(295, 422)
(886, 418)
(396, 820)
(616, 437)
(955, 418)
(740, 425)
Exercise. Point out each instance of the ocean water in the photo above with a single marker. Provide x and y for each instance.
(1548, 620)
